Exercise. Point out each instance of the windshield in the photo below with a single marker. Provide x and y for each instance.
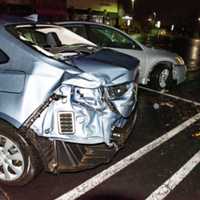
(52, 40)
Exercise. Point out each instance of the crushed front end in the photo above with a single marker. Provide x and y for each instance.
(86, 122)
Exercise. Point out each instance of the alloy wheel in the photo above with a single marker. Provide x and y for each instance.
(163, 78)
(11, 160)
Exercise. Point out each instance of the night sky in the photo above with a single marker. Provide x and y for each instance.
(168, 10)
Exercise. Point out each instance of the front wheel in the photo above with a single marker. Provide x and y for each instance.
(18, 162)
(161, 77)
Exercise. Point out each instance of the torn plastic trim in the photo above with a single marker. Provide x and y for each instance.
(36, 114)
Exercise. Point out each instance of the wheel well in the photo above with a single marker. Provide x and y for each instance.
(165, 63)
(9, 120)
(4, 123)
(26, 137)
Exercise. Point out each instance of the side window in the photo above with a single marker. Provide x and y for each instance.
(98, 36)
(108, 37)
(78, 29)
(3, 57)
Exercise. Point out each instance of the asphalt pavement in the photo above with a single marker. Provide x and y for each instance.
(161, 159)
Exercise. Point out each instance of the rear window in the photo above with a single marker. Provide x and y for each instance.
(48, 39)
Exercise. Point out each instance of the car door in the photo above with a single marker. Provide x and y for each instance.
(108, 37)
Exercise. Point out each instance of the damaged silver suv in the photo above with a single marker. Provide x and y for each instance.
(65, 104)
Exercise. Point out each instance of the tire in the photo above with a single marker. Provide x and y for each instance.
(161, 77)
(19, 162)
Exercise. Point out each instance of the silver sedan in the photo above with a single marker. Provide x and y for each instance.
(158, 68)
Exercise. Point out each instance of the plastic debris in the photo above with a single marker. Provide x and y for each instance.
(156, 106)
(167, 104)
(196, 135)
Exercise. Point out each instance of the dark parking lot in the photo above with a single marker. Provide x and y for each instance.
(139, 171)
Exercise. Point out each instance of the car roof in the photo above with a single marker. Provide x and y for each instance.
(81, 22)
(90, 23)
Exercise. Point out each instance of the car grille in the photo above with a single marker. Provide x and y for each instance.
(66, 122)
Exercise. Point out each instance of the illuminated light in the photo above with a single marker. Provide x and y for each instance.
(133, 1)
(127, 17)
(158, 24)
(172, 27)
(163, 32)
(199, 19)
(149, 19)
(129, 22)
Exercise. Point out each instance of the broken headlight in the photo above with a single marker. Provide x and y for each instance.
(89, 97)
(117, 91)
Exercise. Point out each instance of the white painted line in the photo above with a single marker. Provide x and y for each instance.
(174, 180)
(107, 173)
(170, 95)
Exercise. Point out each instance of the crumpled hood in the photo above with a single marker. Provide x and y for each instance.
(112, 66)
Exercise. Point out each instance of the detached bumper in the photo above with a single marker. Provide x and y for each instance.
(69, 157)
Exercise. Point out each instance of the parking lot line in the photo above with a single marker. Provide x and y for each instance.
(174, 180)
(112, 170)
(170, 95)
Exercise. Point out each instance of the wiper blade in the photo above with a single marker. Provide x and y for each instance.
(81, 46)
(62, 49)
(76, 48)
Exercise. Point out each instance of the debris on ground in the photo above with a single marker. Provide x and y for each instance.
(156, 106)
(196, 135)
(167, 104)
(163, 91)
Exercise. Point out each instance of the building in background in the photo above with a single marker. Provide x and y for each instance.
(51, 10)
(46, 9)
(17, 7)
(102, 11)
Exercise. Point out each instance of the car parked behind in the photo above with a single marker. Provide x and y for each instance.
(65, 104)
(158, 68)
